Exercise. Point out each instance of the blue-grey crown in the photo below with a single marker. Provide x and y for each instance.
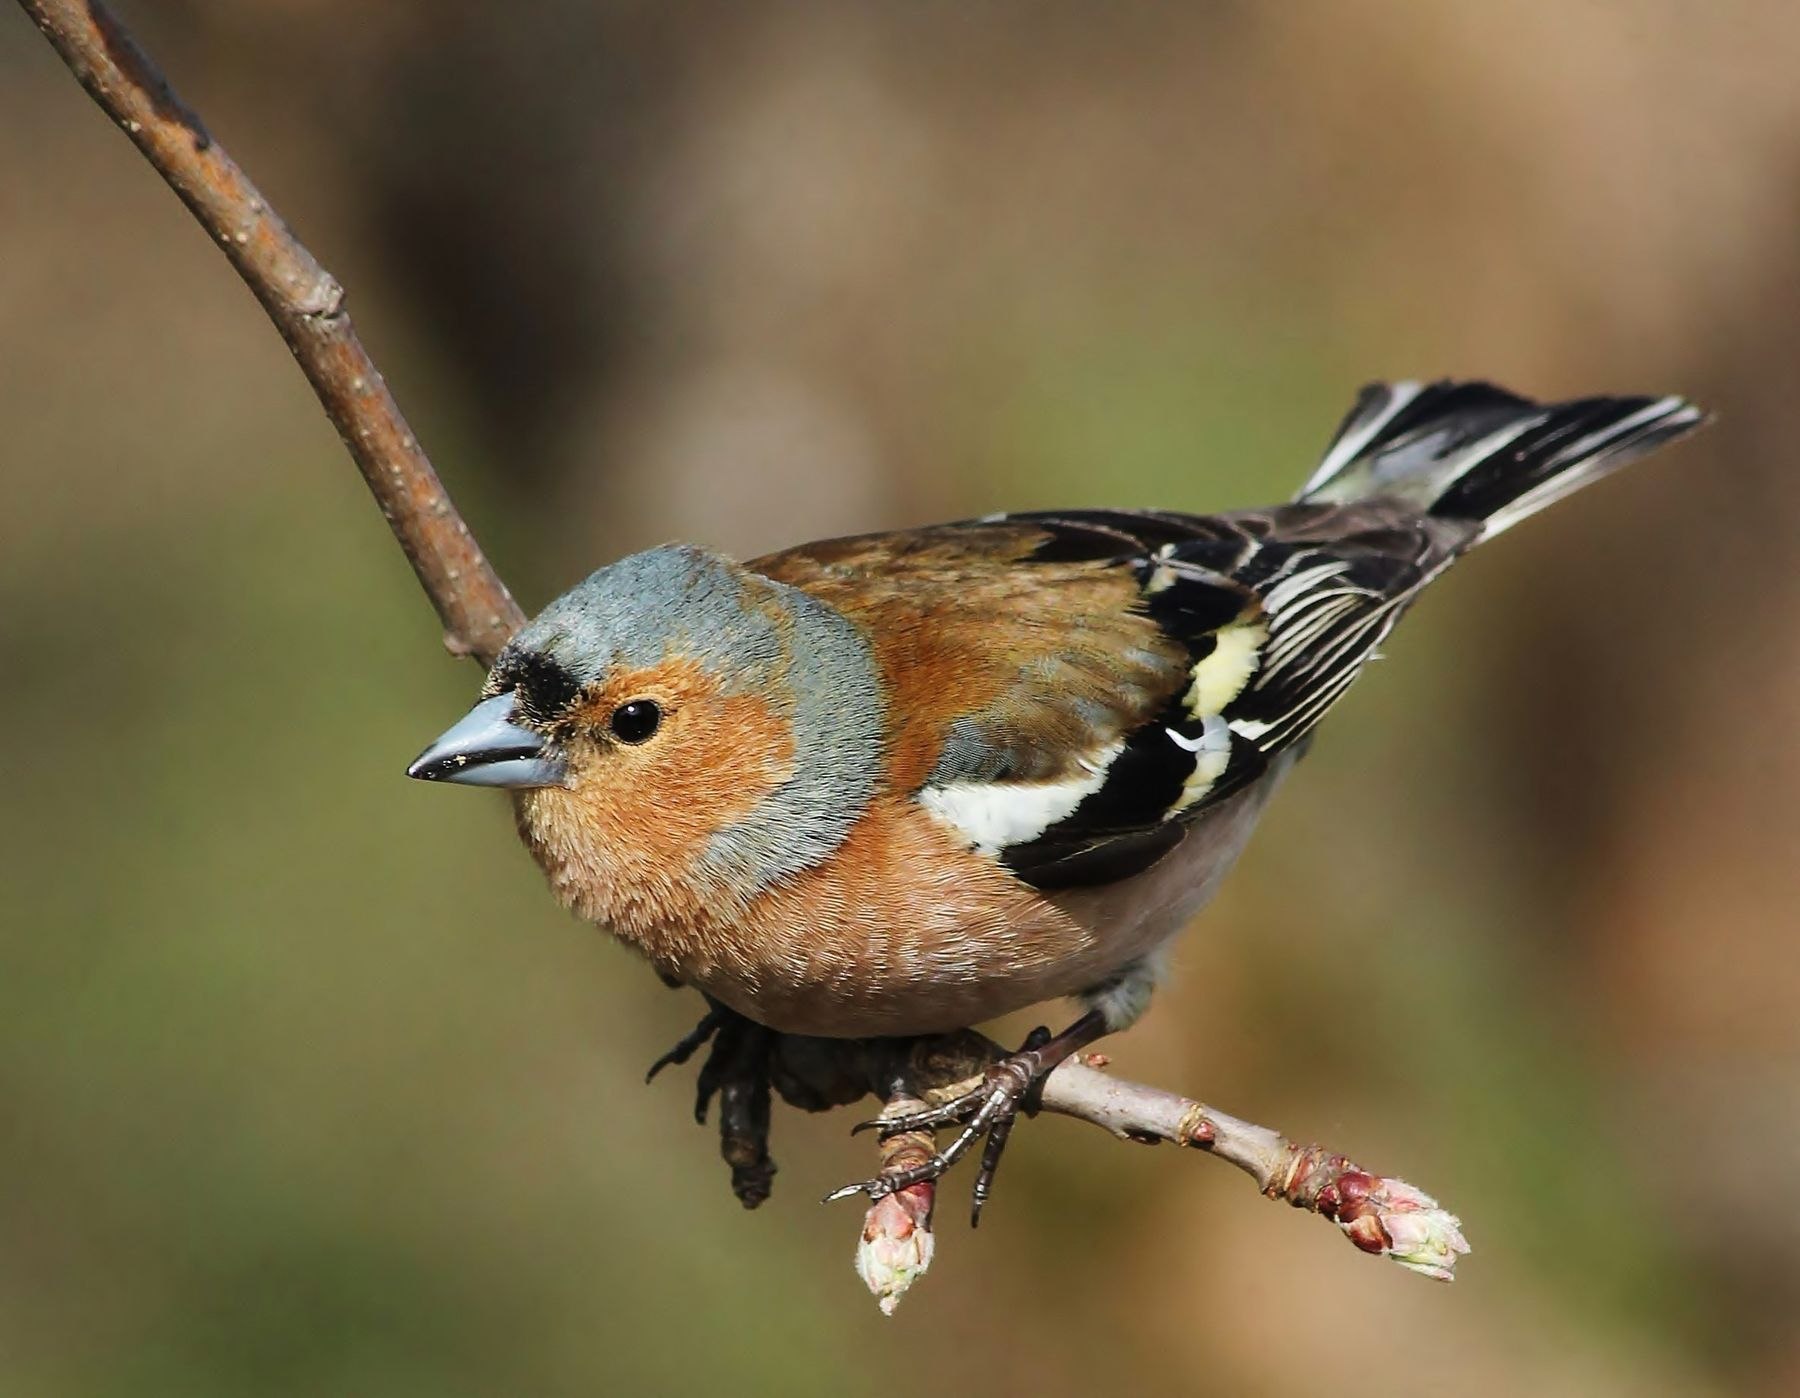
(671, 600)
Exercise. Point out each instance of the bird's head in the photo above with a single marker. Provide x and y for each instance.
(675, 719)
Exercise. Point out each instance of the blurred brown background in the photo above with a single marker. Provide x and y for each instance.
(307, 1088)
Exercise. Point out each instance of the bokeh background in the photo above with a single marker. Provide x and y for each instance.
(306, 1086)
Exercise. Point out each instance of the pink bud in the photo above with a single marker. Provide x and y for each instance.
(1420, 1236)
(896, 1244)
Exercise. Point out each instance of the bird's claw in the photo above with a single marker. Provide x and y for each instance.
(989, 1110)
(951, 1113)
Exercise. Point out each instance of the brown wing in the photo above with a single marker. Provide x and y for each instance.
(1006, 660)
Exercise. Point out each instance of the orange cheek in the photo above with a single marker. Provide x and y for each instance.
(719, 760)
(638, 818)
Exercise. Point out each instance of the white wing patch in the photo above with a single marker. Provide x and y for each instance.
(995, 815)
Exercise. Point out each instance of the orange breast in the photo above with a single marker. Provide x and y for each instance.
(904, 932)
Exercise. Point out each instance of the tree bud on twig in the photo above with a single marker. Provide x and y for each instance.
(1386, 1217)
(1420, 1236)
(896, 1244)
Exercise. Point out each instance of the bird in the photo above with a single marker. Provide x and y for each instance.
(902, 783)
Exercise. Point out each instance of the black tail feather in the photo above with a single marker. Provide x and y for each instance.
(1477, 452)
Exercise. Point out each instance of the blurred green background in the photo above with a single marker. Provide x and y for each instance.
(308, 1088)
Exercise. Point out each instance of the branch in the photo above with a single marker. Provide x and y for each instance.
(307, 305)
(1380, 1215)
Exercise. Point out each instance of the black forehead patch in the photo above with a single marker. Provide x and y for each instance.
(544, 688)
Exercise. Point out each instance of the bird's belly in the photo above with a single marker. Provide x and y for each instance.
(894, 997)
(910, 960)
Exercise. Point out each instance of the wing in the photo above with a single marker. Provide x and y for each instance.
(1079, 687)
(1007, 660)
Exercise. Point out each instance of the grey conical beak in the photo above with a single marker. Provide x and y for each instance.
(486, 748)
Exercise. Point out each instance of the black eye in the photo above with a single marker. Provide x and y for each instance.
(636, 721)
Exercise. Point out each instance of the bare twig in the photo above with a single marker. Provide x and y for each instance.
(1387, 1217)
(306, 303)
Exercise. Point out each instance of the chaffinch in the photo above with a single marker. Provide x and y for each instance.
(903, 783)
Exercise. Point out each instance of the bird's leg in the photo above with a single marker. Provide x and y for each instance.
(989, 1109)
(736, 1071)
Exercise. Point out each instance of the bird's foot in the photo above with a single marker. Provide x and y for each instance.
(736, 1071)
(989, 1110)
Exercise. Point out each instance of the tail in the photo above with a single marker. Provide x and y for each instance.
(1476, 452)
